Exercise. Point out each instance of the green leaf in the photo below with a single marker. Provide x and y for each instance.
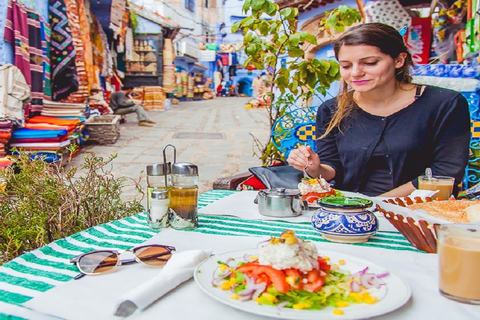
(235, 27)
(310, 38)
(295, 52)
(286, 12)
(263, 27)
(334, 67)
(271, 9)
(324, 65)
(246, 5)
(257, 4)
(251, 49)
(294, 40)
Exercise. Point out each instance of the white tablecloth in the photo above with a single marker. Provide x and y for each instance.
(240, 204)
(93, 297)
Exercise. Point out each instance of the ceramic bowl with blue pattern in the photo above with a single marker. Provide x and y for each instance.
(345, 219)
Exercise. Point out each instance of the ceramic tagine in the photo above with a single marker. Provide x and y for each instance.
(345, 219)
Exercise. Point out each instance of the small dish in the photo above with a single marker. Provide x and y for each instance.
(345, 219)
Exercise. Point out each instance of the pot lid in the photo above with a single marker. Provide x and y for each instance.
(280, 192)
(345, 202)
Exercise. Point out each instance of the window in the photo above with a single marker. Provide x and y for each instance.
(190, 5)
(206, 3)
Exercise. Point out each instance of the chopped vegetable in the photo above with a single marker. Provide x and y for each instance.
(313, 288)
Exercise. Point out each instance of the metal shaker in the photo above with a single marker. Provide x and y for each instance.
(158, 212)
(158, 178)
(184, 196)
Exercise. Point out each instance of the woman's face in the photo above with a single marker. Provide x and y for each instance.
(365, 68)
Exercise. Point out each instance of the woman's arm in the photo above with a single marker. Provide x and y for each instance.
(400, 191)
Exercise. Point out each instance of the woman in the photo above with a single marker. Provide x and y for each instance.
(382, 131)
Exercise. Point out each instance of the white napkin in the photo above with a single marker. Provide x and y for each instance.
(178, 269)
(422, 193)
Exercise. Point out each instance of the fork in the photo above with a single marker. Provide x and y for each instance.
(305, 174)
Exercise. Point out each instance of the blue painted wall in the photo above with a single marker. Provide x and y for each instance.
(147, 26)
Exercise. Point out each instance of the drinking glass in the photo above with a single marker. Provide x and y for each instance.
(459, 258)
(443, 184)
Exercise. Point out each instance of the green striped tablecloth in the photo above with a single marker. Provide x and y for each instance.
(40, 270)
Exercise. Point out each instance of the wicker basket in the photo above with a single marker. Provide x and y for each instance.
(419, 233)
(103, 129)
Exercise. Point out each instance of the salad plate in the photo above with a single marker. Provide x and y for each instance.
(391, 296)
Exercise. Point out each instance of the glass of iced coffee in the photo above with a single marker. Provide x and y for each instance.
(459, 260)
(443, 184)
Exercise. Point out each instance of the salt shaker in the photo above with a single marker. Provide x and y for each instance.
(184, 196)
(158, 211)
(158, 178)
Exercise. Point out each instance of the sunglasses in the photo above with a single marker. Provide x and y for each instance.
(100, 261)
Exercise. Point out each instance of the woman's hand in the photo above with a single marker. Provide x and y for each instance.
(304, 157)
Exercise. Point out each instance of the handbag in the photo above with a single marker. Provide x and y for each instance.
(278, 176)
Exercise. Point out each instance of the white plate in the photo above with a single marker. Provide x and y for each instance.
(391, 297)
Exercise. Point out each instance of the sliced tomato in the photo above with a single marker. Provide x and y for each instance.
(313, 196)
(294, 273)
(315, 281)
(258, 272)
(323, 264)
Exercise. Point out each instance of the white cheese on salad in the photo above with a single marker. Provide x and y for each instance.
(289, 251)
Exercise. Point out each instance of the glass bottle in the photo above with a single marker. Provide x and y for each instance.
(184, 196)
(156, 179)
(158, 212)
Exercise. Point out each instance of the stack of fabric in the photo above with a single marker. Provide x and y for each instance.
(60, 109)
(74, 126)
(50, 145)
(6, 128)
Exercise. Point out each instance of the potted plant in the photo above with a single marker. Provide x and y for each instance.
(296, 81)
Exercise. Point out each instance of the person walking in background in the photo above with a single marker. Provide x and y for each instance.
(257, 85)
(383, 131)
(120, 105)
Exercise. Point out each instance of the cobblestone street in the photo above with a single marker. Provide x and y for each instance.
(217, 135)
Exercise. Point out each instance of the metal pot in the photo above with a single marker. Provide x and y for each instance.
(281, 202)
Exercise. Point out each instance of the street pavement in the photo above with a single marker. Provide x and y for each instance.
(217, 135)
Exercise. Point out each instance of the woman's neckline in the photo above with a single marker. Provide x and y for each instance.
(399, 111)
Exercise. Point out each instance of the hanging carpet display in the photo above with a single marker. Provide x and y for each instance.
(16, 33)
(36, 60)
(63, 68)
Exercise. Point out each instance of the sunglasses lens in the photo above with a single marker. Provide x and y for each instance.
(153, 255)
(97, 262)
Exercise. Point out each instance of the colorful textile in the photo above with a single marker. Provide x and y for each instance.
(46, 33)
(389, 12)
(13, 91)
(33, 140)
(39, 144)
(36, 60)
(62, 52)
(16, 33)
(73, 18)
(35, 133)
(54, 120)
(87, 44)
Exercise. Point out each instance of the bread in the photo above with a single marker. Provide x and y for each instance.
(473, 213)
(451, 210)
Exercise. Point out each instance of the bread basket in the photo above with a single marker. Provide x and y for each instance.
(420, 233)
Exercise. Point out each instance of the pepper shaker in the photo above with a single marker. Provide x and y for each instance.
(184, 196)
